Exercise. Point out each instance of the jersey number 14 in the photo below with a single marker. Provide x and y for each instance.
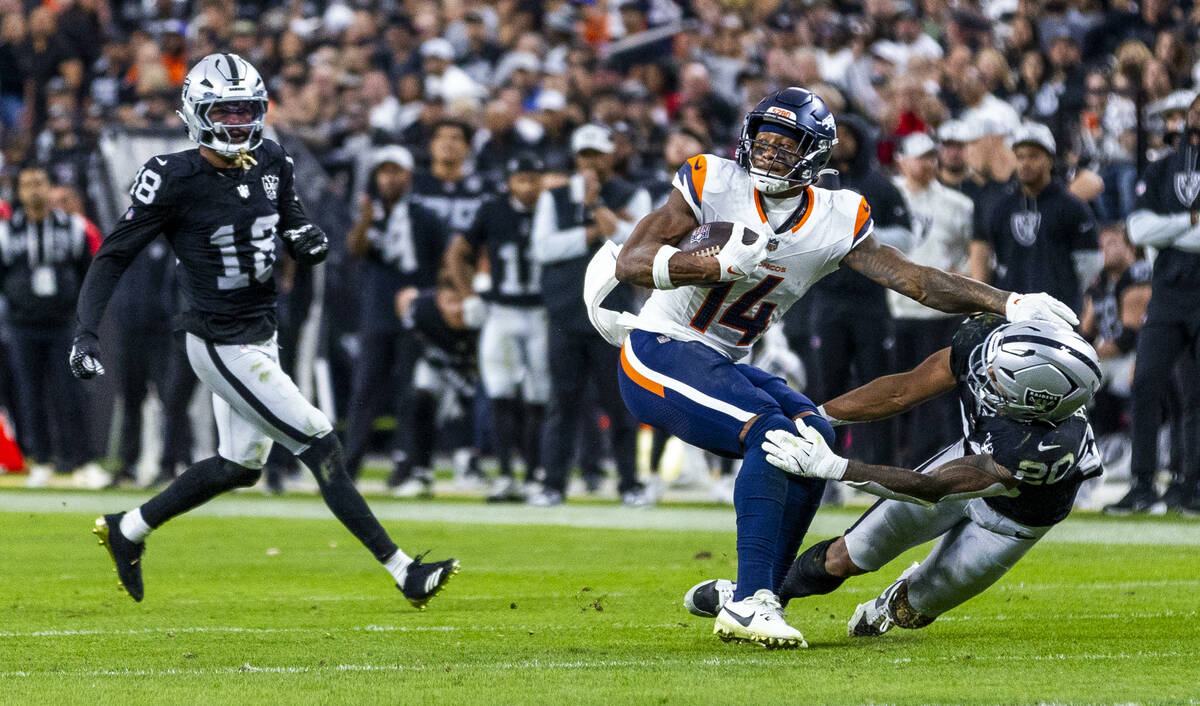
(737, 316)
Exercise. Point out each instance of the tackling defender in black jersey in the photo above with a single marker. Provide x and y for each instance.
(220, 207)
(1022, 389)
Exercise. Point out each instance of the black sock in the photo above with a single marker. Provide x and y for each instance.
(506, 430)
(658, 444)
(324, 459)
(808, 576)
(535, 418)
(200, 483)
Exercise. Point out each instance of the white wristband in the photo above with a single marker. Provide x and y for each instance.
(662, 268)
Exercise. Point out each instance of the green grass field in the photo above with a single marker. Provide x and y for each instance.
(246, 608)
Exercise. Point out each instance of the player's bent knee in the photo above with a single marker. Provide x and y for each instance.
(838, 561)
(239, 476)
(324, 457)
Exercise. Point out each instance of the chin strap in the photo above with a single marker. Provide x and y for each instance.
(244, 159)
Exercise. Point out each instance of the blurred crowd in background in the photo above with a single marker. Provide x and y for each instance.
(1002, 139)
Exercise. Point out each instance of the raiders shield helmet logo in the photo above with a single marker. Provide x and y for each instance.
(270, 184)
(243, 191)
(1187, 186)
(1025, 226)
(1042, 400)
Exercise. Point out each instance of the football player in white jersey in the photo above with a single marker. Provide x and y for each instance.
(679, 368)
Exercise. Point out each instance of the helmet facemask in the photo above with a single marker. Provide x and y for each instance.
(784, 169)
(228, 139)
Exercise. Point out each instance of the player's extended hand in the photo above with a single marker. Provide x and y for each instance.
(1039, 307)
(805, 455)
(307, 243)
(85, 357)
(737, 259)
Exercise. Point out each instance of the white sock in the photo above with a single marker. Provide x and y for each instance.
(397, 566)
(134, 527)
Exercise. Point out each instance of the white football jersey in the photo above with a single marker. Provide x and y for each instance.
(730, 316)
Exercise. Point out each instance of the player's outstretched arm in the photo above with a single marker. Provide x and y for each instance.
(950, 292)
(808, 455)
(665, 226)
(890, 395)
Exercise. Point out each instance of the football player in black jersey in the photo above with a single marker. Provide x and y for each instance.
(219, 207)
(1022, 389)
(512, 343)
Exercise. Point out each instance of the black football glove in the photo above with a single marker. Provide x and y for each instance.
(307, 244)
(85, 356)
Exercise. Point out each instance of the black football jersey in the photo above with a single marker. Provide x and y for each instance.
(1172, 185)
(221, 224)
(1051, 460)
(504, 229)
(454, 202)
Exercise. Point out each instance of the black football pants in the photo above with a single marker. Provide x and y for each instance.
(1161, 342)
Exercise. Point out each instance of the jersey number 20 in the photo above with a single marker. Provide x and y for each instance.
(735, 317)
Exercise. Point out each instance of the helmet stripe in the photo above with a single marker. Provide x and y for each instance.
(1029, 338)
(233, 72)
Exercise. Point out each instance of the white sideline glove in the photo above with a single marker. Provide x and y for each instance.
(1039, 307)
(806, 455)
(475, 311)
(738, 260)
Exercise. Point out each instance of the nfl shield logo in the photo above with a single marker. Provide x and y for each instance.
(244, 191)
(1187, 186)
(271, 186)
(772, 244)
(1025, 227)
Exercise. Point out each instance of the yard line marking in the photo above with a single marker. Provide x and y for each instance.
(537, 664)
(1090, 530)
(548, 627)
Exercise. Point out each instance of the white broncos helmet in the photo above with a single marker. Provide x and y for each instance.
(223, 78)
(1034, 371)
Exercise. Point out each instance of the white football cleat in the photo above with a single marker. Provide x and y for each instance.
(757, 619)
(872, 619)
(707, 598)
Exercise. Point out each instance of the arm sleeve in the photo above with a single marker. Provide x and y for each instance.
(551, 244)
(1156, 229)
(136, 229)
(637, 208)
(291, 211)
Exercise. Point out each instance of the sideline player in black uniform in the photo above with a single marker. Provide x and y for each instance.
(512, 343)
(1167, 217)
(1022, 388)
(219, 206)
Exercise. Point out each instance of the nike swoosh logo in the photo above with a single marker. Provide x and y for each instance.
(732, 271)
(1043, 447)
(162, 162)
(743, 620)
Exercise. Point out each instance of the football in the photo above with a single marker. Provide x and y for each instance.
(708, 239)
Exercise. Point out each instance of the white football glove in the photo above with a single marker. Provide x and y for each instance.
(475, 311)
(806, 455)
(738, 260)
(1039, 307)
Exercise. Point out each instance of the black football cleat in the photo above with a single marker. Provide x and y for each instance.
(424, 581)
(125, 554)
(1140, 498)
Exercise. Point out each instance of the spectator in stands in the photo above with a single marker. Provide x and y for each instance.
(1035, 227)
(42, 263)
(12, 70)
(942, 221)
(570, 224)
(1104, 138)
